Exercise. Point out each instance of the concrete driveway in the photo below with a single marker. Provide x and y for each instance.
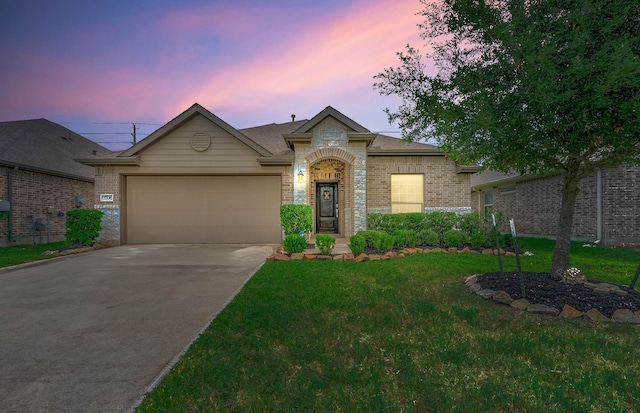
(92, 332)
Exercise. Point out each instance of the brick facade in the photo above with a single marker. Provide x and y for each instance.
(606, 207)
(444, 189)
(32, 195)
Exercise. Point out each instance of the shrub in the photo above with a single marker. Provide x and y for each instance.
(477, 240)
(469, 224)
(428, 237)
(296, 218)
(295, 243)
(357, 244)
(83, 226)
(441, 222)
(452, 239)
(398, 238)
(325, 243)
(507, 241)
(386, 242)
(372, 238)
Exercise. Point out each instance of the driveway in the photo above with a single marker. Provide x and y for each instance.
(92, 332)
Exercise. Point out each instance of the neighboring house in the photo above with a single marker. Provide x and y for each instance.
(607, 208)
(199, 180)
(40, 181)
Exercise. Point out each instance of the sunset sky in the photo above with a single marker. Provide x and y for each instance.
(98, 66)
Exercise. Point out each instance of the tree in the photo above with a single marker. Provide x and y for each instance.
(534, 86)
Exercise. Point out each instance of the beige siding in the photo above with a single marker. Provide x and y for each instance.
(173, 153)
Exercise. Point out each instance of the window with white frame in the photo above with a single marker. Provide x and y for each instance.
(407, 193)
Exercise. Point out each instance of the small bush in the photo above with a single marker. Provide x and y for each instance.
(507, 241)
(295, 243)
(83, 226)
(477, 240)
(325, 243)
(452, 239)
(398, 238)
(357, 244)
(428, 238)
(296, 218)
(372, 238)
(386, 242)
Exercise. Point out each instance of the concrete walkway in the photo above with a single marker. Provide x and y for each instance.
(91, 332)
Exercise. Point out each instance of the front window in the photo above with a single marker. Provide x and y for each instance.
(407, 193)
(488, 203)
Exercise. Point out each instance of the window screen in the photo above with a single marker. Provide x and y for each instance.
(407, 193)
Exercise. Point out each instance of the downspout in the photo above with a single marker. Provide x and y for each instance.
(599, 205)
(10, 199)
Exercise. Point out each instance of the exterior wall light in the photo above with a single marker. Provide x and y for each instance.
(300, 176)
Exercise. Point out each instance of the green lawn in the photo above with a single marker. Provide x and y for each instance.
(19, 254)
(405, 335)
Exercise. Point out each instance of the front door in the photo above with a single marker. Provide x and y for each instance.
(327, 207)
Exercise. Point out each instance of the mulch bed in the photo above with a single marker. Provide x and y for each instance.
(540, 288)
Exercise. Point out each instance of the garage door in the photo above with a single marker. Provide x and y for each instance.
(203, 209)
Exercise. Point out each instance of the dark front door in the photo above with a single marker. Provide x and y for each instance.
(327, 207)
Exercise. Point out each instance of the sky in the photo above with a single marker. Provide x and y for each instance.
(97, 67)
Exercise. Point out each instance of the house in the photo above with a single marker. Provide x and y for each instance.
(606, 208)
(199, 180)
(40, 181)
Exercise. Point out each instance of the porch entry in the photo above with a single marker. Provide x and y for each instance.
(327, 207)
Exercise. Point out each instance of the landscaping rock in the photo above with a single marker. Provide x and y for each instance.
(465, 250)
(542, 309)
(338, 257)
(502, 297)
(362, 257)
(310, 257)
(472, 279)
(509, 254)
(625, 316)
(281, 257)
(297, 256)
(271, 258)
(595, 315)
(570, 312)
(474, 288)
(453, 250)
(438, 250)
(487, 251)
(485, 293)
(391, 254)
(325, 257)
(374, 257)
(384, 257)
(520, 304)
(349, 257)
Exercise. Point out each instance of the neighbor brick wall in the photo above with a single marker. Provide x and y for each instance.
(535, 206)
(443, 187)
(33, 193)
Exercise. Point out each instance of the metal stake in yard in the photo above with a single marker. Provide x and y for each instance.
(515, 246)
(495, 232)
(635, 278)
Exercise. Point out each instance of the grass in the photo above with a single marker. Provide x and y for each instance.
(405, 335)
(19, 254)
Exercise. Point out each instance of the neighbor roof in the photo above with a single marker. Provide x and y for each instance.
(40, 145)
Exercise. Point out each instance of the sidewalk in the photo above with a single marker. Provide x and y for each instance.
(342, 247)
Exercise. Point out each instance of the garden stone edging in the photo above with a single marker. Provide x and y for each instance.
(281, 255)
(624, 316)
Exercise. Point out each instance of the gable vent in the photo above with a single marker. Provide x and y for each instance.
(200, 142)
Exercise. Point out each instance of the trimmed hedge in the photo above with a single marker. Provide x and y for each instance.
(83, 226)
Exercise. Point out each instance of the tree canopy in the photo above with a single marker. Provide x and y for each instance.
(533, 86)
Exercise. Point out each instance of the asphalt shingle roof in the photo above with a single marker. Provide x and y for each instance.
(44, 146)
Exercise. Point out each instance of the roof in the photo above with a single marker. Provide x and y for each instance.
(43, 146)
(490, 178)
(270, 136)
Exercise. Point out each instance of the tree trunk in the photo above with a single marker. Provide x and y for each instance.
(560, 261)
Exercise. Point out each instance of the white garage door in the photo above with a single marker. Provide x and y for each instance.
(203, 209)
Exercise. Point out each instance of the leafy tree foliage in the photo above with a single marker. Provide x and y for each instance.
(533, 86)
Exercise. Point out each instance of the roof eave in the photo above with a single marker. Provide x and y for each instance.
(119, 161)
(405, 152)
(467, 169)
(45, 171)
(285, 160)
